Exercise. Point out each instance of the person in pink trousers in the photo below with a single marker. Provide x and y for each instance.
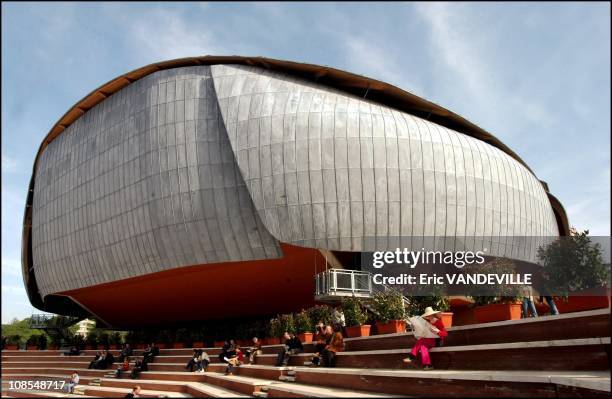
(423, 345)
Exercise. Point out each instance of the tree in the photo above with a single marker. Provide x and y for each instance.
(572, 264)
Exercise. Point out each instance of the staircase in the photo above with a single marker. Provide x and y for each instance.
(55, 326)
(550, 356)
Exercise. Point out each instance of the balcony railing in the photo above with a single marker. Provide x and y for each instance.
(335, 283)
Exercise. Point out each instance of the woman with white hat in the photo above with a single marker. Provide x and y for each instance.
(422, 345)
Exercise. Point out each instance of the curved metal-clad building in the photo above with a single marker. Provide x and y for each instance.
(167, 185)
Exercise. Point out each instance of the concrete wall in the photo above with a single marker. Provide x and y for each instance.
(208, 164)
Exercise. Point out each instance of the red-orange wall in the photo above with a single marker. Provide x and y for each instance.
(209, 291)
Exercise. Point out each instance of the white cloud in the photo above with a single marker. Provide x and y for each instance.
(161, 34)
(466, 62)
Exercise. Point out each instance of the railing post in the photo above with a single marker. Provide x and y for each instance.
(353, 282)
(335, 280)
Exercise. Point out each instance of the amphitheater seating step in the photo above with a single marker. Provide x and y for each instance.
(571, 354)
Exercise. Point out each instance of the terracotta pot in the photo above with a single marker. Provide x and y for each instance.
(140, 346)
(305, 337)
(178, 345)
(358, 331)
(219, 344)
(113, 346)
(90, 347)
(52, 347)
(198, 344)
(31, 348)
(12, 347)
(497, 312)
(447, 319)
(273, 341)
(392, 326)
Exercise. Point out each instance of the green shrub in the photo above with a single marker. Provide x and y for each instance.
(197, 335)
(164, 337)
(320, 313)
(418, 304)
(303, 323)
(14, 339)
(92, 338)
(42, 341)
(388, 305)
(183, 335)
(78, 341)
(33, 341)
(275, 329)
(287, 323)
(115, 338)
(104, 339)
(502, 293)
(354, 315)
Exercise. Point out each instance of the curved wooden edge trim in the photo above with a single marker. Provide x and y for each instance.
(560, 215)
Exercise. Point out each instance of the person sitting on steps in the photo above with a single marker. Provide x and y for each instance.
(423, 345)
(123, 367)
(94, 362)
(292, 346)
(320, 339)
(254, 350)
(336, 344)
(228, 356)
(193, 361)
(203, 361)
(125, 352)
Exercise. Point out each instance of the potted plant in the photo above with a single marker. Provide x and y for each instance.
(104, 340)
(42, 342)
(140, 338)
(115, 340)
(355, 317)
(320, 313)
(497, 302)
(287, 323)
(13, 342)
(388, 306)
(274, 331)
(573, 270)
(55, 342)
(32, 342)
(303, 326)
(91, 341)
(78, 341)
(164, 339)
(183, 339)
(437, 302)
(198, 338)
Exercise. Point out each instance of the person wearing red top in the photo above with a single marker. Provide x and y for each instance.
(423, 345)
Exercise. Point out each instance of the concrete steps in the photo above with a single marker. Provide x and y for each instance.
(572, 354)
(483, 383)
(551, 356)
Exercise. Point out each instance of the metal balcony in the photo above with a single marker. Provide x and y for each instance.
(333, 284)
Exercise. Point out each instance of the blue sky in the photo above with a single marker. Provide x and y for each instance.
(535, 75)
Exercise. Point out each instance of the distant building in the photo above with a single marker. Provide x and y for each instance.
(216, 187)
(85, 326)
